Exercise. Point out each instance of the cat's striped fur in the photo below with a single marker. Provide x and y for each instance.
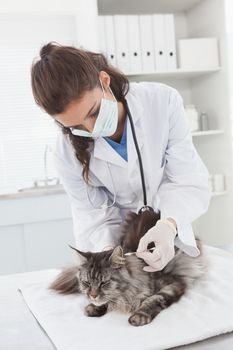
(111, 280)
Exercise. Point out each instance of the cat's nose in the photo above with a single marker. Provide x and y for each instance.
(94, 294)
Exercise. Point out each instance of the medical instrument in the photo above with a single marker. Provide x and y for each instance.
(131, 253)
(145, 207)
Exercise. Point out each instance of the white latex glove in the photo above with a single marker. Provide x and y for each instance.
(163, 235)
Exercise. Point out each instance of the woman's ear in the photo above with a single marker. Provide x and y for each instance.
(105, 79)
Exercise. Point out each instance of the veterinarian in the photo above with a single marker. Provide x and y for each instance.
(97, 161)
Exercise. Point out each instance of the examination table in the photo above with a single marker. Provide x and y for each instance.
(19, 329)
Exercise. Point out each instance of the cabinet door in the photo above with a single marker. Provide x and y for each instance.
(11, 249)
(46, 244)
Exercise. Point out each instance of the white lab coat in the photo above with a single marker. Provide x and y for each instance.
(175, 176)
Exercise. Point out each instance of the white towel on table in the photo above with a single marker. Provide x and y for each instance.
(204, 311)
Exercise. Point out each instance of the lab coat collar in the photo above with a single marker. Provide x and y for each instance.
(104, 151)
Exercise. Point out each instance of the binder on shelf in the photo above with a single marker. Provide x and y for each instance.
(170, 41)
(135, 62)
(159, 42)
(146, 43)
(121, 39)
(101, 36)
(110, 40)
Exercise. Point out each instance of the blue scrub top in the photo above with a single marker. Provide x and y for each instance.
(120, 148)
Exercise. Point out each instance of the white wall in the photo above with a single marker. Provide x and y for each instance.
(84, 11)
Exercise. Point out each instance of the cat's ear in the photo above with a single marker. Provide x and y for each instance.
(117, 259)
(80, 257)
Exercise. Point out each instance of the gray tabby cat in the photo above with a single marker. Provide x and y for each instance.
(112, 280)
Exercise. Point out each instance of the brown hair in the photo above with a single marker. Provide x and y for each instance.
(63, 74)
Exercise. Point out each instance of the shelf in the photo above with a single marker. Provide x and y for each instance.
(149, 6)
(34, 191)
(216, 194)
(207, 132)
(178, 73)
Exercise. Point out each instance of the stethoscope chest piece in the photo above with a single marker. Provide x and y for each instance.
(145, 208)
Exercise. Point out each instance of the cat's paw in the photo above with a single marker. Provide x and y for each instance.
(92, 310)
(139, 318)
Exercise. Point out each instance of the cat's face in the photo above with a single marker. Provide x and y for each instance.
(98, 275)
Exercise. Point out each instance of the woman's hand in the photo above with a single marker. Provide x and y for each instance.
(163, 235)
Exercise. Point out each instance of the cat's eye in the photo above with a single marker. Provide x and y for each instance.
(104, 283)
(86, 283)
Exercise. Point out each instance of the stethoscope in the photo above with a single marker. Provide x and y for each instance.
(145, 207)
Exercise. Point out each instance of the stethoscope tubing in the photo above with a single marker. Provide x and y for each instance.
(145, 207)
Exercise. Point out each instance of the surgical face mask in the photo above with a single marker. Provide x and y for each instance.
(106, 122)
